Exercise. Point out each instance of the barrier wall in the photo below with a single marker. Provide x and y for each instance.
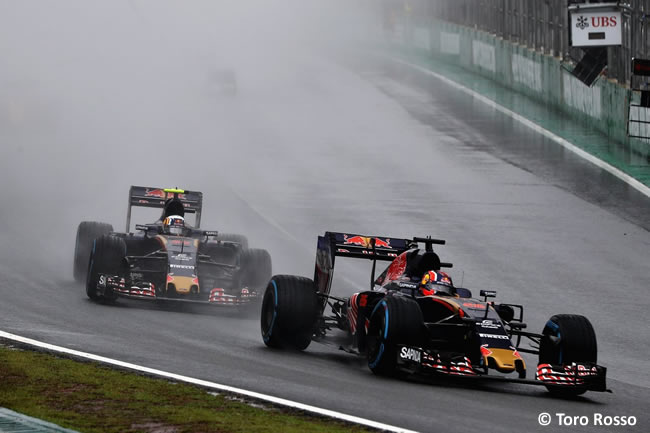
(603, 107)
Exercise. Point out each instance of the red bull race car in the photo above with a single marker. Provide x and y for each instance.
(169, 259)
(414, 321)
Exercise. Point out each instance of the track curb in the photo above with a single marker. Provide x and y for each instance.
(31, 344)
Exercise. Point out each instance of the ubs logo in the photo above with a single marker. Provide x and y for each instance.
(583, 23)
(598, 21)
(604, 21)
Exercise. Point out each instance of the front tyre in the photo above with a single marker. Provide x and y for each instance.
(87, 232)
(256, 268)
(289, 312)
(394, 320)
(567, 338)
(107, 258)
(234, 237)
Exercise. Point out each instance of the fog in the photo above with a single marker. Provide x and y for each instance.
(98, 96)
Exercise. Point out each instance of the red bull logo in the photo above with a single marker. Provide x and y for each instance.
(158, 193)
(356, 240)
(366, 242)
(162, 194)
(382, 244)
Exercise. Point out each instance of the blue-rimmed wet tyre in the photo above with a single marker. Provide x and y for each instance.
(567, 338)
(107, 258)
(87, 232)
(289, 312)
(394, 320)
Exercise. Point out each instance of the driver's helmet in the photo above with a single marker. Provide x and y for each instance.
(174, 225)
(173, 206)
(437, 283)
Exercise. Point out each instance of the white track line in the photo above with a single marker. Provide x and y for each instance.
(203, 383)
(643, 189)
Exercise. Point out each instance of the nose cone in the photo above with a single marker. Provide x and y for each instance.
(184, 285)
(504, 360)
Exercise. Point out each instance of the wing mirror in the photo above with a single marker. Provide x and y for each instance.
(488, 294)
(147, 227)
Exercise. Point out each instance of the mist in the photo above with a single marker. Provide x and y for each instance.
(98, 96)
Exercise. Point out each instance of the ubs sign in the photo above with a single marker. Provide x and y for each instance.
(590, 29)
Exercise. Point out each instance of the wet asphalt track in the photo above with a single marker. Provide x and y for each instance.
(378, 151)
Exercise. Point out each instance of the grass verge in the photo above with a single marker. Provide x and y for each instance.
(90, 397)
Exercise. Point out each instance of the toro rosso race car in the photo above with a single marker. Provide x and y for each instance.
(168, 259)
(414, 321)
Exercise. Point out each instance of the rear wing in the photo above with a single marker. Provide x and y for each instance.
(382, 248)
(143, 196)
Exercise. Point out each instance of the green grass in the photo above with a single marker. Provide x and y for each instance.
(89, 397)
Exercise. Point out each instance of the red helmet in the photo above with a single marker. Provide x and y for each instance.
(437, 283)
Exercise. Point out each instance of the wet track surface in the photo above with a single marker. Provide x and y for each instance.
(379, 150)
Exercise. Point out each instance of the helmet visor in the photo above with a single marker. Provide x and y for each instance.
(438, 289)
(175, 230)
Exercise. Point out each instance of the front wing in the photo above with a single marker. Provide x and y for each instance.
(415, 360)
(147, 291)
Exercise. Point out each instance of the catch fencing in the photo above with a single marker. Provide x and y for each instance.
(538, 24)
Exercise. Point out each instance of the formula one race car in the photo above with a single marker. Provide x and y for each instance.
(169, 260)
(414, 321)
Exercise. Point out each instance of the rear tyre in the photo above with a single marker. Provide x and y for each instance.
(87, 232)
(289, 312)
(233, 237)
(107, 257)
(567, 338)
(394, 320)
(256, 268)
